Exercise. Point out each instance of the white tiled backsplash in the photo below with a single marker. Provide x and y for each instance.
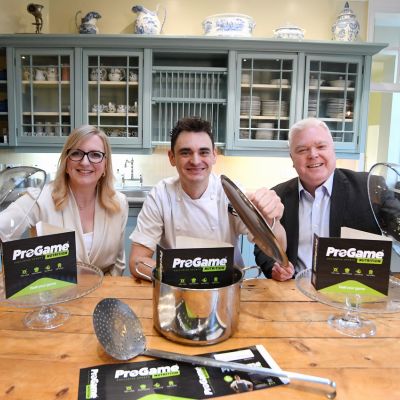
(250, 172)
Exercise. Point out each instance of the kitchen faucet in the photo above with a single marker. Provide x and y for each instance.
(132, 175)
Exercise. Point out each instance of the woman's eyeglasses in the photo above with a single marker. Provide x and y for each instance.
(94, 157)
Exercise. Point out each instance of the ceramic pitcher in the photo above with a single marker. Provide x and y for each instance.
(40, 74)
(147, 22)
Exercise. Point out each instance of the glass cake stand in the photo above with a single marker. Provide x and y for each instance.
(350, 322)
(49, 316)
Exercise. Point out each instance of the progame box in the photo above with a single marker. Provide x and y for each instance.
(196, 267)
(357, 266)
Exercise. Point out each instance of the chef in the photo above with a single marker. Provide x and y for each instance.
(194, 204)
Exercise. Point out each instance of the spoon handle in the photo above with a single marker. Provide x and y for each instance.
(210, 362)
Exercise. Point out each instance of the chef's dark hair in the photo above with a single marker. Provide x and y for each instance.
(191, 124)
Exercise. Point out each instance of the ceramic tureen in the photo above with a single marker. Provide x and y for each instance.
(238, 25)
(289, 31)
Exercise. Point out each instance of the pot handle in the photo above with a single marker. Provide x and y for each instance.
(245, 269)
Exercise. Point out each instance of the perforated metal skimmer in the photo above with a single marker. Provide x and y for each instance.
(120, 333)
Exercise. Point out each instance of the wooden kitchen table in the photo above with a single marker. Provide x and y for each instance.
(44, 365)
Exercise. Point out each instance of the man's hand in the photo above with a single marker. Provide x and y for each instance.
(280, 273)
(268, 203)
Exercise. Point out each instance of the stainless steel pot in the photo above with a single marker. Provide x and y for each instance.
(197, 316)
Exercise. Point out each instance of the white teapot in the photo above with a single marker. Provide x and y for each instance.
(98, 74)
(147, 21)
(116, 74)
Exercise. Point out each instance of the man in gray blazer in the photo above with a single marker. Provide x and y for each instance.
(321, 200)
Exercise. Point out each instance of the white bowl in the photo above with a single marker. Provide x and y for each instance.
(314, 82)
(289, 32)
(234, 25)
(279, 81)
(340, 83)
(264, 134)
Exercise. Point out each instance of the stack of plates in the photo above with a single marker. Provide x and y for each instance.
(265, 131)
(312, 107)
(338, 108)
(250, 105)
(270, 108)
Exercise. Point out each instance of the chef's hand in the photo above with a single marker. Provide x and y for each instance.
(280, 273)
(268, 203)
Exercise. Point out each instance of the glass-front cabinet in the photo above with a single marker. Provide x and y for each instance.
(4, 128)
(186, 85)
(44, 96)
(113, 102)
(332, 94)
(267, 93)
(135, 88)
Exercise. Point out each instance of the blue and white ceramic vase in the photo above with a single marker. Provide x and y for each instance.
(147, 22)
(88, 22)
(346, 27)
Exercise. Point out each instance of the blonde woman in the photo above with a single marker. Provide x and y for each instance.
(82, 198)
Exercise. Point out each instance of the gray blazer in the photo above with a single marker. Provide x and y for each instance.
(349, 207)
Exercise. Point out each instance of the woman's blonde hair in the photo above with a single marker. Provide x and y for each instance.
(105, 186)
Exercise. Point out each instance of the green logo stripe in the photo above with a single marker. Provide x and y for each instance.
(353, 287)
(42, 285)
(57, 255)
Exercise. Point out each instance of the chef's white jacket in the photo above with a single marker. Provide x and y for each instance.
(169, 212)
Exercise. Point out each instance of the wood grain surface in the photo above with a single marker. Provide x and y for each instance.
(44, 365)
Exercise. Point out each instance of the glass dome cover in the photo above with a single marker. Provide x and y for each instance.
(14, 183)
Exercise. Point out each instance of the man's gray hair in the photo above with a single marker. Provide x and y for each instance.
(303, 124)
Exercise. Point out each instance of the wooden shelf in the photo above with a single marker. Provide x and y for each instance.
(261, 117)
(264, 86)
(46, 113)
(331, 88)
(46, 83)
(112, 114)
(113, 83)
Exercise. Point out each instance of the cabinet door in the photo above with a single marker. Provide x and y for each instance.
(188, 84)
(44, 96)
(266, 100)
(4, 128)
(332, 94)
(112, 82)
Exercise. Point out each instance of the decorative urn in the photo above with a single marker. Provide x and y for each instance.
(346, 27)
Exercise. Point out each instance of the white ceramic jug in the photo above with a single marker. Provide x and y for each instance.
(147, 22)
(40, 74)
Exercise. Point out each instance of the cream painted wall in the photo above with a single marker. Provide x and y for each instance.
(14, 18)
(184, 17)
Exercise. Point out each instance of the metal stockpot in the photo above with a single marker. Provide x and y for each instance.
(197, 316)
